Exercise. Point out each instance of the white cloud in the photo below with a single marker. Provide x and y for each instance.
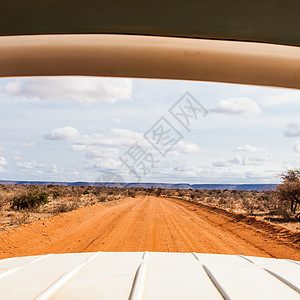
(117, 121)
(297, 147)
(100, 145)
(292, 130)
(64, 133)
(85, 90)
(114, 137)
(28, 144)
(105, 153)
(25, 165)
(78, 148)
(106, 164)
(101, 150)
(54, 169)
(281, 98)
(30, 165)
(16, 152)
(96, 152)
(3, 161)
(221, 163)
(237, 106)
(244, 161)
(186, 147)
(250, 148)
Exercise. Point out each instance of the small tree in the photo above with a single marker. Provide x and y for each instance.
(289, 190)
(158, 191)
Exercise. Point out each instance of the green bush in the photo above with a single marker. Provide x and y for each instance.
(30, 199)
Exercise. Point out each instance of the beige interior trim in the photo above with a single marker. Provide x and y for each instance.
(150, 57)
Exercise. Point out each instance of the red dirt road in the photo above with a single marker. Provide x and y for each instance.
(149, 224)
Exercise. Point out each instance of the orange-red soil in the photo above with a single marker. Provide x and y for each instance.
(148, 223)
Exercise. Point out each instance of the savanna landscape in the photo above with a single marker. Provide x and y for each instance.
(64, 219)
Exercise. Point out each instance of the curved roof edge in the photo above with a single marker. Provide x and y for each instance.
(150, 57)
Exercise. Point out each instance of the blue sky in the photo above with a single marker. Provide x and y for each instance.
(78, 128)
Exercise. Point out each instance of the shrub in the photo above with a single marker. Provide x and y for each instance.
(131, 193)
(158, 192)
(30, 199)
(102, 197)
(20, 218)
(3, 200)
(55, 194)
(86, 192)
(289, 190)
(65, 207)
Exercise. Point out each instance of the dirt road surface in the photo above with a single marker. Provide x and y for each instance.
(149, 223)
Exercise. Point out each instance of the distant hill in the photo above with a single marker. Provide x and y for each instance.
(244, 187)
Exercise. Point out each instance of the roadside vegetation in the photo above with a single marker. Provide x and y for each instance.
(20, 204)
(264, 205)
(280, 206)
(289, 190)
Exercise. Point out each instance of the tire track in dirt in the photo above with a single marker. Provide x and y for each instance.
(251, 232)
(214, 236)
(144, 223)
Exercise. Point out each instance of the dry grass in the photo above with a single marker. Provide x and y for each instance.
(264, 205)
(61, 199)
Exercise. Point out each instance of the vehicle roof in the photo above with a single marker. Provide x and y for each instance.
(275, 21)
(244, 42)
(154, 275)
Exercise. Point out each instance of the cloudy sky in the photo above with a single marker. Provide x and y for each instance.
(85, 129)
